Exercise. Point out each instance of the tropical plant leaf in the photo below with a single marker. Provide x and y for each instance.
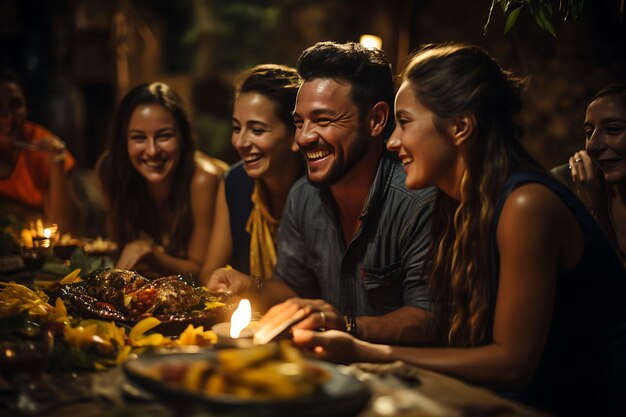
(544, 15)
(541, 10)
(510, 21)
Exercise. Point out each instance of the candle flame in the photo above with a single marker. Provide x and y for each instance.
(240, 318)
(47, 233)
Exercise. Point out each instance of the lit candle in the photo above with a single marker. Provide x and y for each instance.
(239, 331)
(240, 318)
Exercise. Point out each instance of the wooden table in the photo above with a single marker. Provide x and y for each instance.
(109, 393)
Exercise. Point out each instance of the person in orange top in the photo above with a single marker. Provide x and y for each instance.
(34, 164)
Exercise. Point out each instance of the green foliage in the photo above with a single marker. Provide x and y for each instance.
(87, 264)
(542, 10)
(10, 227)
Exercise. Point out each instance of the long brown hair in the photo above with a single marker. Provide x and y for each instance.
(450, 79)
(130, 207)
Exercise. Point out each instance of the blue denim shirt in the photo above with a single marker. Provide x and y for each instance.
(381, 268)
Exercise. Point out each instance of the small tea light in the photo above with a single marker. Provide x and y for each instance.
(240, 329)
(42, 236)
(222, 330)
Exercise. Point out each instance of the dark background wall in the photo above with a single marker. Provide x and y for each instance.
(78, 57)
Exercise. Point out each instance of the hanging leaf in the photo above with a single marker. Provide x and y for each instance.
(543, 11)
(545, 15)
(510, 21)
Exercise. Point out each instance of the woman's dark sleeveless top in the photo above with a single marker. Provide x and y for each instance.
(583, 367)
(238, 188)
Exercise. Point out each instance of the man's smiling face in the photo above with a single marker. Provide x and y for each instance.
(329, 131)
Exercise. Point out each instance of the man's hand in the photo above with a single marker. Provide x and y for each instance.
(317, 314)
(231, 281)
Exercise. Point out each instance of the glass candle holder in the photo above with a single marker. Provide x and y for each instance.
(34, 257)
(43, 234)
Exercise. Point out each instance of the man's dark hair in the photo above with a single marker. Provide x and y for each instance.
(367, 70)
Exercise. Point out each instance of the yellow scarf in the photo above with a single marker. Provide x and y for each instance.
(262, 228)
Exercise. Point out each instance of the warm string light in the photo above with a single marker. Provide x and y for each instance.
(371, 41)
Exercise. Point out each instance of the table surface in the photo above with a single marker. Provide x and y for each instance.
(109, 393)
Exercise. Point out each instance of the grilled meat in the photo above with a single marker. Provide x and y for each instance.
(126, 296)
(167, 295)
(113, 285)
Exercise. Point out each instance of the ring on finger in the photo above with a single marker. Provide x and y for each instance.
(577, 160)
(323, 316)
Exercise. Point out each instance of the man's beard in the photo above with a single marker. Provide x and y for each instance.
(339, 169)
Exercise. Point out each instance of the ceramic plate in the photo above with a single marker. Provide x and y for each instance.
(341, 395)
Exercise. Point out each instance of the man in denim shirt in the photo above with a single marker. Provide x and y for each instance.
(352, 239)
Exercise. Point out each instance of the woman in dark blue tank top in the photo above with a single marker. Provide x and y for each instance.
(528, 295)
(255, 190)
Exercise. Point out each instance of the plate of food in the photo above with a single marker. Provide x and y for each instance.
(100, 247)
(127, 297)
(65, 246)
(266, 380)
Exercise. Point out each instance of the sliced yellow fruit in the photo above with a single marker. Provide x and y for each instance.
(71, 278)
(143, 326)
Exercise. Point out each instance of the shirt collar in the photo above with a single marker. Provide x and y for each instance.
(384, 175)
(387, 165)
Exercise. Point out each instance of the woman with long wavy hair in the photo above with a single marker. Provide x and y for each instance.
(528, 296)
(160, 191)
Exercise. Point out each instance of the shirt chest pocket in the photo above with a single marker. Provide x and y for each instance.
(383, 286)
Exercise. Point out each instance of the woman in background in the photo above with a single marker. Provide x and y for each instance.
(528, 295)
(599, 171)
(160, 191)
(252, 200)
(34, 165)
